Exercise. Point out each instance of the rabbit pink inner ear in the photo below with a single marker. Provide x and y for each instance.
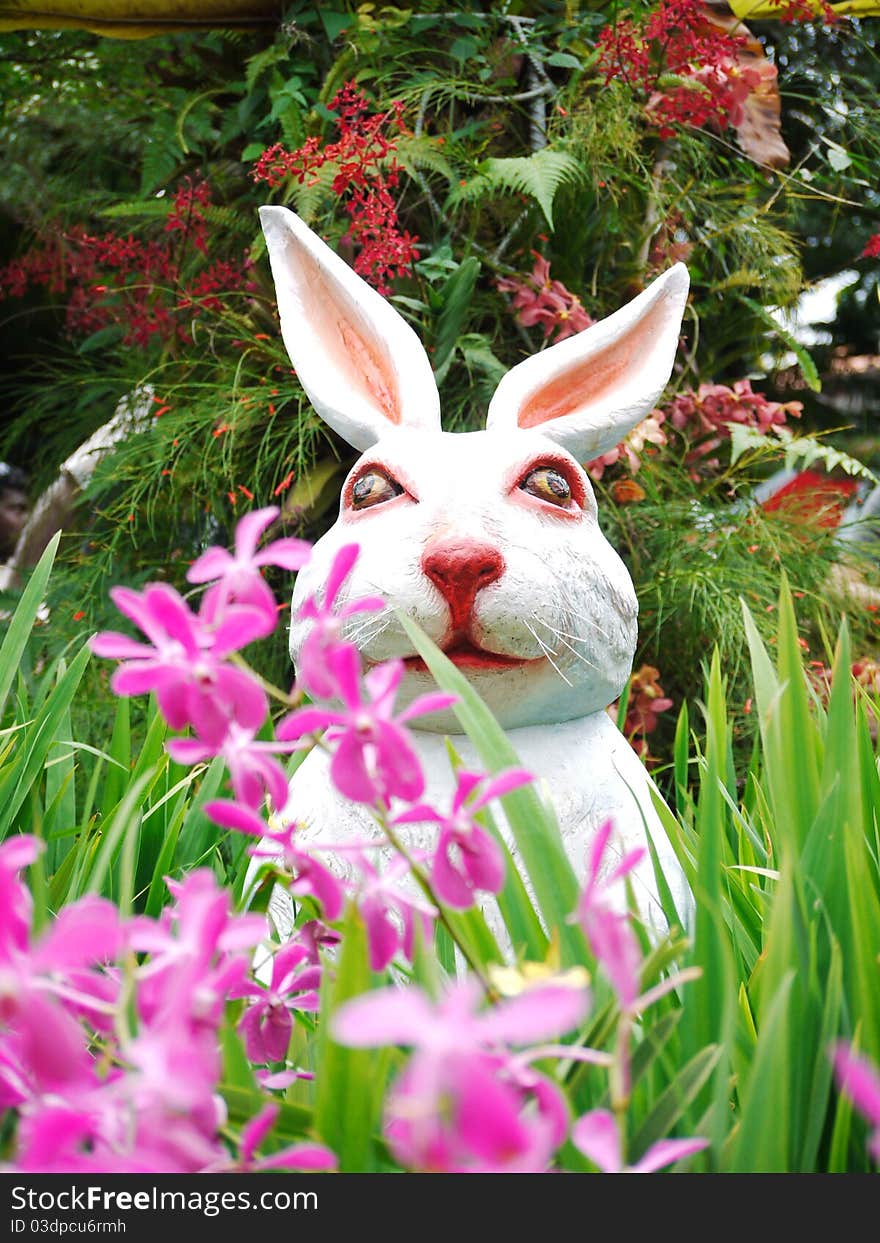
(378, 377)
(356, 353)
(589, 391)
(587, 382)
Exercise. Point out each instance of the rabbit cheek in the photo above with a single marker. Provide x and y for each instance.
(602, 610)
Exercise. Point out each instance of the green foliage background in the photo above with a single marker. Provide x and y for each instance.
(773, 812)
(515, 144)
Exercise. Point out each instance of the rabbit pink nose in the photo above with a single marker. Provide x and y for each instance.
(459, 568)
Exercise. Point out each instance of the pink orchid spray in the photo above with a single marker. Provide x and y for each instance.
(237, 576)
(467, 859)
(137, 1091)
(463, 1103)
(184, 663)
(316, 673)
(374, 759)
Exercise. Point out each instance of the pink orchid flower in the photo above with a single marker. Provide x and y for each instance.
(606, 925)
(314, 935)
(267, 1023)
(41, 1042)
(183, 663)
(57, 1139)
(467, 858)
(598, 1138)
(237, 578)
(467, 1116)
(390, 910)
(253, 772)
(196, 952)
(42, 1049)
(374, 759)
(16, 904)
(310, 877)
(463, 1103)
(296, 1157)
(408, 1016)
(316, 671)
(859, 1079)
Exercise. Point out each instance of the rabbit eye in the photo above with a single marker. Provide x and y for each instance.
(372, 489)
(548, 485)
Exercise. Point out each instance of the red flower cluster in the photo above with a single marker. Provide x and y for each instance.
(806, 11)
(136, 284)
(646, 701)
(649, 431)
(366, 171)
(686, 66)
(202, 291)
(701, 418)
(872, 247)
(187, 216)
(540, 300)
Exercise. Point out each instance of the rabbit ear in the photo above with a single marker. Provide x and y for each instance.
(589, 391)
(362, 366)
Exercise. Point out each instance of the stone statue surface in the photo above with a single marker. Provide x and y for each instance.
(489, 540)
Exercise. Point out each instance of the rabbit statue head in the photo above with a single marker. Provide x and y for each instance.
(489, 540)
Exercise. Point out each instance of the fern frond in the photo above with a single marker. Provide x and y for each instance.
(800, 451)
(161, 159)
(225, 218)
(264, 60)
(415, 154)
(539, 176)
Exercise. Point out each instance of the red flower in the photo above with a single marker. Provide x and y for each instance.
(646, 701)
(135, 284)
(364, 178)
(676, 42)
(540, 300)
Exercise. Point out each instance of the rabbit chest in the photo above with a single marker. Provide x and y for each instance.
(588, 774)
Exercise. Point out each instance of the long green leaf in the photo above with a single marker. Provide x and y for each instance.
(711, 1000)
(763, 1142)
(818, 1095)
(125, 820)
(38, 738)
(348, 1091)
(456, 298)
(531, 821)
(23, 619)
(675, 1100)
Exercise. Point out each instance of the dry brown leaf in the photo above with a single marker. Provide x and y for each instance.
(758, 130)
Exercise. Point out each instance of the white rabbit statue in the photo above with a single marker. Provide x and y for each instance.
(489, 540)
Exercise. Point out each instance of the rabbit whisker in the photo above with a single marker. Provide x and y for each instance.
(559, 634)
(367, 632)
(370, 627)
(573, 612)
(559, 631)
(567, 604)
(547, 652)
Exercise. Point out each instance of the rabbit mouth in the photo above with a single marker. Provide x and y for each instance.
(466, 655)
